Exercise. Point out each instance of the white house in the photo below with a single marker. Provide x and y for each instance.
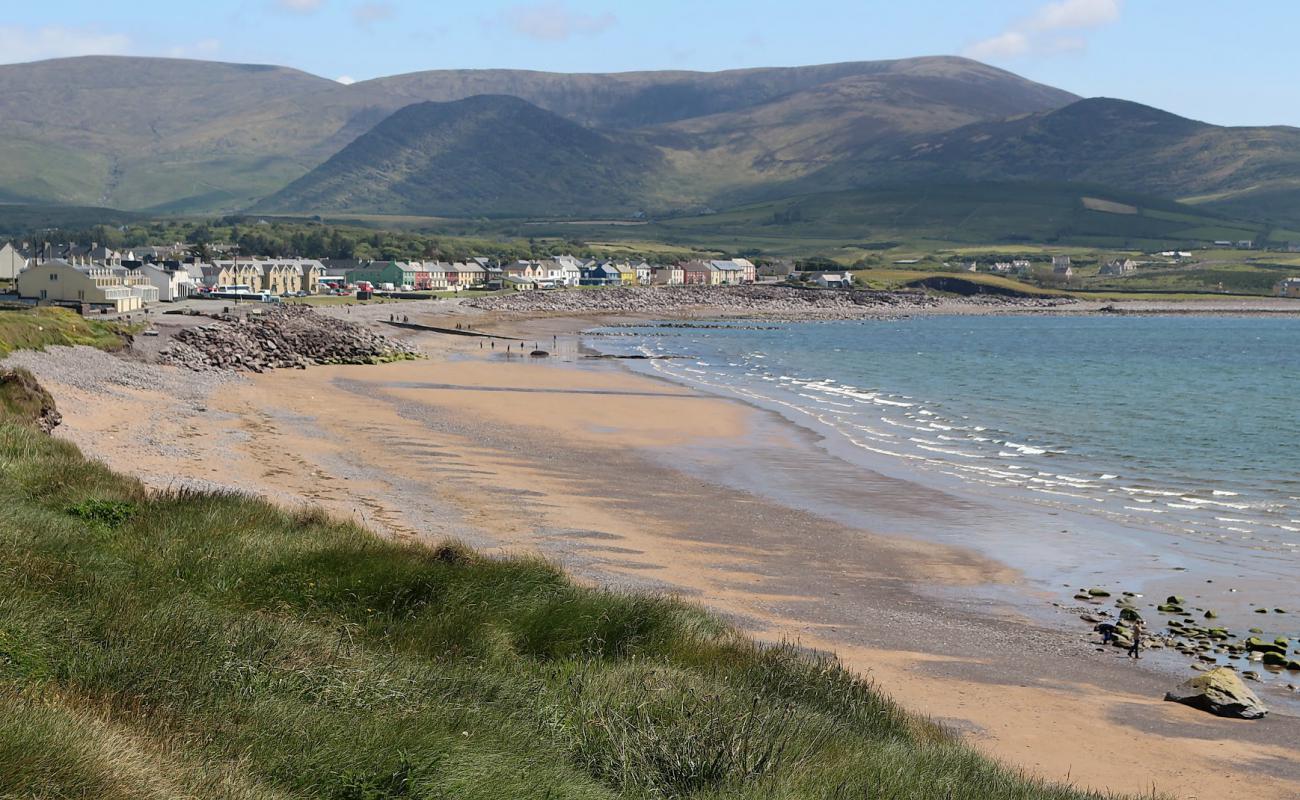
(12, 262)
(171, 282)
(1118, 267)
(833, 280)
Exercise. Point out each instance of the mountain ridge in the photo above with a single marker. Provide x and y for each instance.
(193, 136)
(482, 156)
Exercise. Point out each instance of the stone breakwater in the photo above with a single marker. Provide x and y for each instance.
(779, 302)
(290, 336)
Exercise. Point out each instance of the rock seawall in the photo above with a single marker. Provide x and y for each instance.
(766, 301)
(289, 336)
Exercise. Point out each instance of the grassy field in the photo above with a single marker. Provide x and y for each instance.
(38, 328)
(175, 645)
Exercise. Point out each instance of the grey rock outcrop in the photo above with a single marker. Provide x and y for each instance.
(1219, 691)
(289, 336)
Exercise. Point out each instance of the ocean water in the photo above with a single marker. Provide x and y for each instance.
(1190, 425)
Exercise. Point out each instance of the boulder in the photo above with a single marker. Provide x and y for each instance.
(1219, 691)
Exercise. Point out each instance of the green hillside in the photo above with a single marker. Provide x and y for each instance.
(974, 213)
(488, 155)
(1115, 143)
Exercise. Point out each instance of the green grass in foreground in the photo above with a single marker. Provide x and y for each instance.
(38, 328)
(206, 645)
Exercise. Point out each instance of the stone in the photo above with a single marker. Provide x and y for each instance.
(1169, 608)
(1274, 660)
(1258, 645)
(1129, 615)
(1219, 691)
(1175, 600)
(1097, 592)
(1211, 615)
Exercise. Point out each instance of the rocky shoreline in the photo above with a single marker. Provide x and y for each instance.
(776, 302)
(285, 337)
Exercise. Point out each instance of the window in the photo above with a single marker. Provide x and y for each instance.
(54, 276)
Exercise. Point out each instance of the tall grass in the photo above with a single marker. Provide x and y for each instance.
(38, 328)
(212, 645)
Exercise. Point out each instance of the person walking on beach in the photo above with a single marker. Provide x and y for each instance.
(1107, 631)
(1135, 648)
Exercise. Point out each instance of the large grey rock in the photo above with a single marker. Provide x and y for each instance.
(1219, 691)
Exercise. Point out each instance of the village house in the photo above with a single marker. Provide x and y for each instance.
(729, 272)
(832, 280)
(607, 274)
(170, 279)
(1118, 267)
(236, 272)
(748, 272)
(519, 284)
(394, 273)
(1287, 287)
(97, 287)
(700, 273)
(133, 278)
(466, 275)
(12, 262)
(1062, 268)
(281, 277)
(529, 270)
(667, 275)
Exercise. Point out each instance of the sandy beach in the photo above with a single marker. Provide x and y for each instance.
(584, 462)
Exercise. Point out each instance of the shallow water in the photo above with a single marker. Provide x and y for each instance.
(1188, 424)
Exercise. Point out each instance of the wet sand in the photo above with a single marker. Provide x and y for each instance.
(578, 460)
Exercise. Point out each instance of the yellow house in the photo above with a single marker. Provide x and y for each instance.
(239, 273)
(58, 282)
(626, 274)
(281, 277)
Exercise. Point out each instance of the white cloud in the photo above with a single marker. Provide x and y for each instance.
(346, 80)
(368, 14)
(1007, 44)
(554, 22)
(1054, 28)
(299, 6)
(35, 44)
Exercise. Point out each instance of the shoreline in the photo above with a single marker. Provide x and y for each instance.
(498, 455)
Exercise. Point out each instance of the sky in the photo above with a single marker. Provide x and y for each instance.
(1190, 57)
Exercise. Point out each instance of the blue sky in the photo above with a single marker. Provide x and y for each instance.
(1191, 57)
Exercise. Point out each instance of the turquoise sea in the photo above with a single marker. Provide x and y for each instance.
(1185, 424)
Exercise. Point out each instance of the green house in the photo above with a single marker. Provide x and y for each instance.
(398, 273)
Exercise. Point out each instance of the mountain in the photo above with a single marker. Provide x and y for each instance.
(483, 156)
(143, 132)
(179, 135)
(168, 135)
(1098, 141)
(644, 99)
